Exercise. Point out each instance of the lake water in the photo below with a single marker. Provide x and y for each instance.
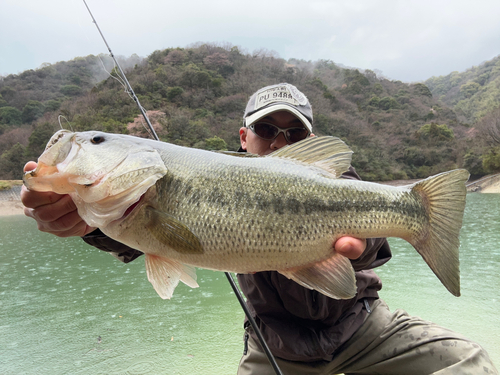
(67, 308)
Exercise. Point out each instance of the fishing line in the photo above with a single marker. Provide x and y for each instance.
(236, 290)
(117, 78)
(59, 120)
(124, 78)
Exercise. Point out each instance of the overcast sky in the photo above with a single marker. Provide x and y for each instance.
(406, 40)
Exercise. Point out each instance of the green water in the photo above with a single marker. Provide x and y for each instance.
(66, 308)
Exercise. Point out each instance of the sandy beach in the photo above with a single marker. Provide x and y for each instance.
(8, 208)
(10, 199)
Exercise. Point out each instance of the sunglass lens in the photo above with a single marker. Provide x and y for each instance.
(266, 131)
(295, 135)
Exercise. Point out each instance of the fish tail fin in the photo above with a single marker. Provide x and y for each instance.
(164, 274)
(443, 196)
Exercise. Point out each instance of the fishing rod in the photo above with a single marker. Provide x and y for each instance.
(129, 88)
(235, 288)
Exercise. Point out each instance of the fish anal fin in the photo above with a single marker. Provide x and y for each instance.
(328, 153)
(171, 232)
(333, 277)
(164, 274)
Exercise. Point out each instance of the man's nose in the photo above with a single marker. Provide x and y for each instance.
(279, 142)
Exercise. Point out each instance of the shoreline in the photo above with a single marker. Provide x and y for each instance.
(11, 208)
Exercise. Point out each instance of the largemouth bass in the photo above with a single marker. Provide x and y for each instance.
(187, 208)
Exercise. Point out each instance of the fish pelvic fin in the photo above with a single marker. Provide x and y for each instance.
(164, 274)
(171, 232)
(328, 153)
(444, 197)
(334, 277)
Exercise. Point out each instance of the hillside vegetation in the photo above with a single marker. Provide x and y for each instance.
(471, 94)
(196, 96)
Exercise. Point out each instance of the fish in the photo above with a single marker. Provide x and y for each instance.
(238, 212)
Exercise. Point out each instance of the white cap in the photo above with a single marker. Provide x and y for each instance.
(280, 97)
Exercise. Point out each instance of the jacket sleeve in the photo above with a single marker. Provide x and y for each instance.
(120, 251)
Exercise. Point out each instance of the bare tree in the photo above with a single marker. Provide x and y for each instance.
(489, 127)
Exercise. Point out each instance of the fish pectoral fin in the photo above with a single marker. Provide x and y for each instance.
(334, 277)
(164, 274)
(328, 153)
(172, 232)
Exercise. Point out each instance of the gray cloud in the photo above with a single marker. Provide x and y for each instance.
(406, 40)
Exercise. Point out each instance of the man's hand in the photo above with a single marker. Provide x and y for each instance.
(350, 247)
(54, 213)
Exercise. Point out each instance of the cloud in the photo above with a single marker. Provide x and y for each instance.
(407, 40)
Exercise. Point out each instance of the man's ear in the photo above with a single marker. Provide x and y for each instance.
(243, 137)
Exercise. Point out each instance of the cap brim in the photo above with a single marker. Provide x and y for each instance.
(275, 108)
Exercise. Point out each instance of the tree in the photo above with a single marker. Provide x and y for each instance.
(374, 101)
(215, 143)
(176, 57)
(194, 77)
(8, 93)
(469, 89)
(13, 136)
(489, 127)
(220, 62)
(3, 102)
(174, 92)
(387, 103)
(421, 89)
(491, 160)
(10, 116)
(12, 163)
(474, 164)
(71, 90)
(52, 105)
(434, 131)
(38, 140)
(32, 110)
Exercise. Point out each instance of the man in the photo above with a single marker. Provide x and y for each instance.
(307, 332)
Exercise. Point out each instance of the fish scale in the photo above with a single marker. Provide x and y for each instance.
(187, 208)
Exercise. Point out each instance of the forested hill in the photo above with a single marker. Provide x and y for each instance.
(196, 97)
(472, 94)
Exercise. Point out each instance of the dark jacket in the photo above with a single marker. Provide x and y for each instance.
(298, 324)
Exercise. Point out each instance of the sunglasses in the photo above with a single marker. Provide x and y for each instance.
(269, 132)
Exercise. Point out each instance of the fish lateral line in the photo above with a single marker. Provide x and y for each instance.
(427, 214)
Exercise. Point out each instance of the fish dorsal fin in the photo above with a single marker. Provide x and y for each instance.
(328, 153)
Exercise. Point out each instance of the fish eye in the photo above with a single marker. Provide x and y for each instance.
(97, 139)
